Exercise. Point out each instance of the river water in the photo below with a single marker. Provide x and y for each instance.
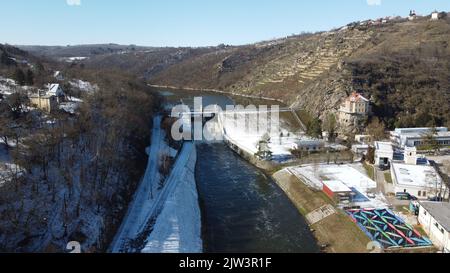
(243, 210)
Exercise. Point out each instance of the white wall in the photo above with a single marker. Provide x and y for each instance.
(439, 239)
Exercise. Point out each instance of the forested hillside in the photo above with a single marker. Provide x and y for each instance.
(402, 65)
(69, 177)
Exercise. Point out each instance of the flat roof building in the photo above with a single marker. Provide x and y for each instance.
(414, 137)
(421, 181)
(384, 154)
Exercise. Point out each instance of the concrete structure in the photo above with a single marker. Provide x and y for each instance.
(360, 149)
(337, 190)
(421, 181)
(384, 154)
(414, 137)
(411, 155)
(308, 144)
(354, 108)
(435, 220)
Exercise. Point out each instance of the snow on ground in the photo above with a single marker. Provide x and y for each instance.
(352, 175)
(73, 59)
(248, 140)
(84, 86)
(69, 107)
(145, 194)
(8, 170)
(178, 227)
(7, 86)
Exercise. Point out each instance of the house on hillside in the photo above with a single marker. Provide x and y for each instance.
(49, 99)
(55, 89)
(354, 109)
(44, 101)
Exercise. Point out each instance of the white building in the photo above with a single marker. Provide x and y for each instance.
(435, 220)
(58, 76)
(414, 137)
(360, 149)
(435, 16)
(308, 144)
(421, 181)
(411, 155)
(384, 154)
(55, 89)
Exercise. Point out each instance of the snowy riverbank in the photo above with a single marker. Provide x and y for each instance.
(178, 227)
(173, 209)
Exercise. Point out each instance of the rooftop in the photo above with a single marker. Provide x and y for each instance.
(402, 131)
(439, 211)
(336, 186)
(384, 146)
(416, 175)
(356, 97)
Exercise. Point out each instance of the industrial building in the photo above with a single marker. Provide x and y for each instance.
(414, 137)
(435, 220)
(421, 181)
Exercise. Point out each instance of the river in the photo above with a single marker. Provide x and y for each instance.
(243, 210)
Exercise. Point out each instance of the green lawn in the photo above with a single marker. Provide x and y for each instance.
(370, 171)
(388, 177)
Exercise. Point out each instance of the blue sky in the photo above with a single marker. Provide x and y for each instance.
(186, 22)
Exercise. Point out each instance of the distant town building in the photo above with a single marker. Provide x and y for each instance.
(414, 137)
(412, 15)
(354, 108)
(421, 181)
(435, 16)
(384, 154)
(435, 220)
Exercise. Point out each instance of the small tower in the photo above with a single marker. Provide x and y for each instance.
(412, 15)
(411, 155)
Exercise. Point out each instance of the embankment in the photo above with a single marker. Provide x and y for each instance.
(178, 227)
(337, 231)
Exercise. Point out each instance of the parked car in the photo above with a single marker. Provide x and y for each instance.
(435, 199)
(405, 196)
